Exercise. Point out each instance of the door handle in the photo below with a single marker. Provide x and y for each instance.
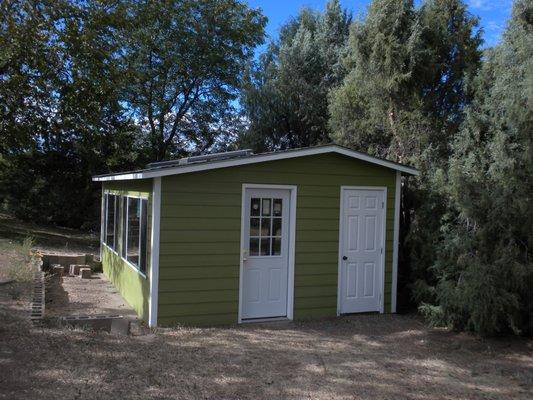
(244, 255)
(344, 258)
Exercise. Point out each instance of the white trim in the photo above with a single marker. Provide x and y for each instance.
(395, 246)
(384, 243)
(256, 159)
(292, 245)
(154, 253)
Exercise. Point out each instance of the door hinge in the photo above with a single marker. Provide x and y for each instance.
(382, 204)
(382, 250)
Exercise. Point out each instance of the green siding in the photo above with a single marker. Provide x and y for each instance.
(200, 235)
(133, 287)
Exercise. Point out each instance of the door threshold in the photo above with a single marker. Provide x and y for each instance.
(268, 319)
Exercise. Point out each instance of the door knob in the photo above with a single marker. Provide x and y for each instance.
(344, 258)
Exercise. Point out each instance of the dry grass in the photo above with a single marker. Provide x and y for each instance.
(364, 357)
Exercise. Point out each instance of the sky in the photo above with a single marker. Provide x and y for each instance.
(493, 13)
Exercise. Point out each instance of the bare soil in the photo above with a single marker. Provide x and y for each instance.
(76, 296)
(360, 357)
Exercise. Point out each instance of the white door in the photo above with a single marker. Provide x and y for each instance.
(361, 250)
(265, 253)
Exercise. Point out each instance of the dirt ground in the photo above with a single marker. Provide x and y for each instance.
(76, 296)
(360, 357)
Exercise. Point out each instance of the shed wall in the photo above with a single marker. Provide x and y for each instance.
(200, 235)
(134, 287)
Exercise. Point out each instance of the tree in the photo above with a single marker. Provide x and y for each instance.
(284, 97)
(184, 61)
(485, 269)
(403, 99)
(72, 80)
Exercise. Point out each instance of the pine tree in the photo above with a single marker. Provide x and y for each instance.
(485, 267)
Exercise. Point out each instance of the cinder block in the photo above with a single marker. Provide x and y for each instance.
(58, 270)
(85, 273)
(75, 268)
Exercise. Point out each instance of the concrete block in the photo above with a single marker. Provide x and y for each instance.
(58, 271)
(85, 273)
(75, 268)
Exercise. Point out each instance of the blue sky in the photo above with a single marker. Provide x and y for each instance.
(493, 13)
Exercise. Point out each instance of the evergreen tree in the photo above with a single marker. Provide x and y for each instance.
(485, 267)
(403, 99)
(285, 96)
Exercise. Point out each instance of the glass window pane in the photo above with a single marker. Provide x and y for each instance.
(265, 227)
(254, 207)
(110, 219)
(254, 246)
(276, 246)
(142, 253)
(134, 217)
(277, 208)
(276, 227)
(124, 203)
(266, 207)
(254, 226)
(265, 247)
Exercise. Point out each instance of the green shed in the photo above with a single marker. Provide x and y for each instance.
(236, 237)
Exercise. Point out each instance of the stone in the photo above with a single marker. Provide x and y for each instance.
(75, 268)
(85, 273)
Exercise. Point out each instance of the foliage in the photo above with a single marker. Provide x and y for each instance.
(485, 268)
(79, 82)
(284, 97)
(22, 263)
(403, 99)
(183, 62)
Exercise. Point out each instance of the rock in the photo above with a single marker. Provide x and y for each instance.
(85, 273)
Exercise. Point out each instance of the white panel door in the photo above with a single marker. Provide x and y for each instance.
(266, 253)
(362, 250)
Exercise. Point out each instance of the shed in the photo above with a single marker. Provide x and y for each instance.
(236, 237)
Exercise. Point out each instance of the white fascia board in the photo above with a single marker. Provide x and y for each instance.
(257, 159)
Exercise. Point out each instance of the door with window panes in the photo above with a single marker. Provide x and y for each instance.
(265, 253)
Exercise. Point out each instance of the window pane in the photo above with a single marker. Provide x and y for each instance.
(134, 217)
(265, 227)
(142, 256)
(276, 227)
(254, 207)
(110, 219)
(124, 203)
(254, 246)
(276, 246)
(277, 208)
(265, 247)
(254, 226)
(266, 206)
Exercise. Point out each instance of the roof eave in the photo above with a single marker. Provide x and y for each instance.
(148, 174)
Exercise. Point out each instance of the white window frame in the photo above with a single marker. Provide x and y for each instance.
(124, 252)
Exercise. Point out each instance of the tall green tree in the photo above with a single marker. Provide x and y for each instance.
(284, 98)
(93, 87)
(184, 61)
(62, 121)
(485, 266)
(403, 99)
